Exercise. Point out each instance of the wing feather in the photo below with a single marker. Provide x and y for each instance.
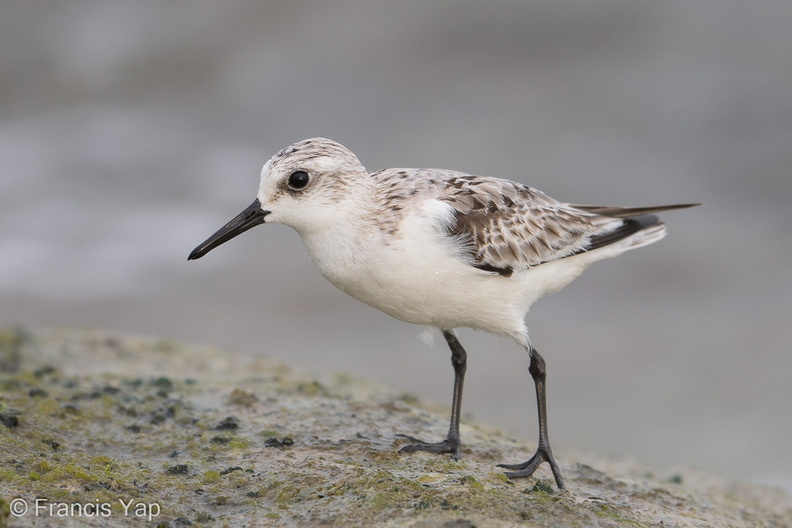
(502, 226)
(506, 226)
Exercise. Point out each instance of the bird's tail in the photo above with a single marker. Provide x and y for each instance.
(631, 233)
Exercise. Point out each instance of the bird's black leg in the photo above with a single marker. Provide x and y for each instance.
(451, 444)
(543, 451)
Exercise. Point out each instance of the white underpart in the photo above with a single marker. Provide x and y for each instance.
(419, 277)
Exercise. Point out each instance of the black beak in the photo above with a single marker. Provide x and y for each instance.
(250, 217)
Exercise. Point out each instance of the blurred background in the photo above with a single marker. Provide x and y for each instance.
(131, 131)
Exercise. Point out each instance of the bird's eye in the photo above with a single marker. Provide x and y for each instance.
(298, 179)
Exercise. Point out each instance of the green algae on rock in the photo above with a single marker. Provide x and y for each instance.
(176, 435)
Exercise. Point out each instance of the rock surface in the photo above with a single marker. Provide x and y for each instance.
(99, 429)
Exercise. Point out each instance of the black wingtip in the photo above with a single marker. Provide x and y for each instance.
(629, 227)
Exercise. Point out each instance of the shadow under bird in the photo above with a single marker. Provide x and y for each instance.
(440, 248)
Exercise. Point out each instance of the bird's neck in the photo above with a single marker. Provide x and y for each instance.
(341, 248)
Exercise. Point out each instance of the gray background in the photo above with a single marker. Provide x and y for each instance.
(130, 131)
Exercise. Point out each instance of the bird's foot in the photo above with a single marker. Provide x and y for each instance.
(449, 445)
(526, 469)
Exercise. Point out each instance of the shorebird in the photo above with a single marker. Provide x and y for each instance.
(440, 248)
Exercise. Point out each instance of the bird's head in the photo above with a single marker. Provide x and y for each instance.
(310, 186)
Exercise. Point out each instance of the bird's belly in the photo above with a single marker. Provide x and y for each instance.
(446, 296)
(422, 279)
(459, 295)
(420, 300)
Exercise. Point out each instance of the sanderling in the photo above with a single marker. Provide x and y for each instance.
(440, 248)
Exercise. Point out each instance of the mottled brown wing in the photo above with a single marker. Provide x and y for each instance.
(505, 226)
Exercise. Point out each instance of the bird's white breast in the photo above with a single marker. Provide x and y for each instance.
(417, 274)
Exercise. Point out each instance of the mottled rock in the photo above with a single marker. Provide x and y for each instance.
(125, 411)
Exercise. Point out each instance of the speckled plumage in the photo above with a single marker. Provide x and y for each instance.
(439, 248)
(502, 225)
